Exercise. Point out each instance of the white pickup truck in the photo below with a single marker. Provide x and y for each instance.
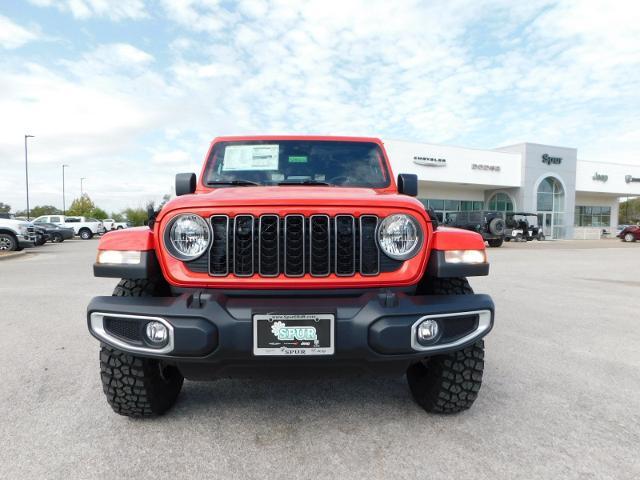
(16, 234)
(84, 227)
(111, 224)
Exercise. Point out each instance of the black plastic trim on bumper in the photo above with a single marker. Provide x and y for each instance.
(438, 267)
(147, 268)
(216, 328)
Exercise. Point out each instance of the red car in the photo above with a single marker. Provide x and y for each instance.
(630, 233)
(291, 255)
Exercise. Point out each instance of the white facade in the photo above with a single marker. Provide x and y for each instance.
(572, 198)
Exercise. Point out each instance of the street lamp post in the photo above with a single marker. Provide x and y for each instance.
(64, 209)
(81, 180)
(26, 172)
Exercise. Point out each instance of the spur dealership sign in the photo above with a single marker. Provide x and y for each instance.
(549, 160)
(430, 161)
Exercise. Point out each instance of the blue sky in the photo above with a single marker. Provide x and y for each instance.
(129, 93)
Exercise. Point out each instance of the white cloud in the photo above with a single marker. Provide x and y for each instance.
(13, 35)
(84, 9)
(478, 74)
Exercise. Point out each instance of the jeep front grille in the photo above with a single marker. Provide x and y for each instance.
(294, 245)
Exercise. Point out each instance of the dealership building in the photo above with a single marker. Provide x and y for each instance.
(572, 198)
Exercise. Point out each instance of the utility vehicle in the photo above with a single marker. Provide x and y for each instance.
(291, 255)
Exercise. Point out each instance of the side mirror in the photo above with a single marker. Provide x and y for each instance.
(408, 184)
(185, 183)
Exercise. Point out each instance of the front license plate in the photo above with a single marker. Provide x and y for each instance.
(304, 334)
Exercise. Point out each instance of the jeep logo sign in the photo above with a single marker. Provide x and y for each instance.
(549, 160)
(600, 178)
(430, 161)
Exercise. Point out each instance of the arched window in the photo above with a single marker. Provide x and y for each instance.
(500, 202)
(550, 205)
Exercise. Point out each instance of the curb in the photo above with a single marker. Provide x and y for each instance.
(7, 256)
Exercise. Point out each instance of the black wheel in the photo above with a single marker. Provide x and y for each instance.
(40, 240)
(86, 234)
(447, 383)
(8, 242)
(119, 227)
(496, 226)
(495, 242)
(519, 237)
(57, 238)
(629, 237)
(540, 237)
(137, 386)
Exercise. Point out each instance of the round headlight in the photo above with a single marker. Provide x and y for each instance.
(188, 236)
(399, 236)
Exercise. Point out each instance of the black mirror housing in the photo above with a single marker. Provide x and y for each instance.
(408, 184)
(185, 183)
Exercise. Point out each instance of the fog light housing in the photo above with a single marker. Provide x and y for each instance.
(427, 331)
(121, 257)
(157, 333)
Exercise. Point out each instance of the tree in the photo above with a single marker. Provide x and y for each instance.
(137, 216)
(98, 213)
(39, 210)
(629, 211)
(118, 217)
(4, 208)
(82, 206)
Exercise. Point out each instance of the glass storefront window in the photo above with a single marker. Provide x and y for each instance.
(443, 208)
(592, 216)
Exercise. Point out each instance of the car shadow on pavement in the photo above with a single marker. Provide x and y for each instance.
(293, 396)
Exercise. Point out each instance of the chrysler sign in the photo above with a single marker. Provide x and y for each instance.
(430, 161)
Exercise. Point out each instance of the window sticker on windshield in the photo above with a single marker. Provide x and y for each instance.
(298, 159)
(250, 157)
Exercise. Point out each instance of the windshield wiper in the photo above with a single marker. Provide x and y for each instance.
(302, 182)
(235, 182)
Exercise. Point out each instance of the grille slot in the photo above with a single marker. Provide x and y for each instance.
(294, 250)
(319, 245)
(369, 253)
(219, 251)
(345, 253)
(295, 245)
(269, 245)
(243, 245)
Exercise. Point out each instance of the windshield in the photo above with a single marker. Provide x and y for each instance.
(290, 162)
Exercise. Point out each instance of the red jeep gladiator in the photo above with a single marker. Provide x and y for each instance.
(291, 255)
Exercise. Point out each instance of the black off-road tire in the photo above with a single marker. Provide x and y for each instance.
(137, 386)
(447, 383)
(496, 226)
(495, 242)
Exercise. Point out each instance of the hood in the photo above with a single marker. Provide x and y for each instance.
(303, 195)
(10, 222)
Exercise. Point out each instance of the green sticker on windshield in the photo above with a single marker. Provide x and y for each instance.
(298, 159)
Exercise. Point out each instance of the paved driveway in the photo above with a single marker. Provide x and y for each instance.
(561, 397)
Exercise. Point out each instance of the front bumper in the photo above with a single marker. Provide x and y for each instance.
(212, 333)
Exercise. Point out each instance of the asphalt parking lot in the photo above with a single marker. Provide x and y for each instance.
(561, 393)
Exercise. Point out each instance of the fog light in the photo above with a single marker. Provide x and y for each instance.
(427, 331)
(157, 333)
